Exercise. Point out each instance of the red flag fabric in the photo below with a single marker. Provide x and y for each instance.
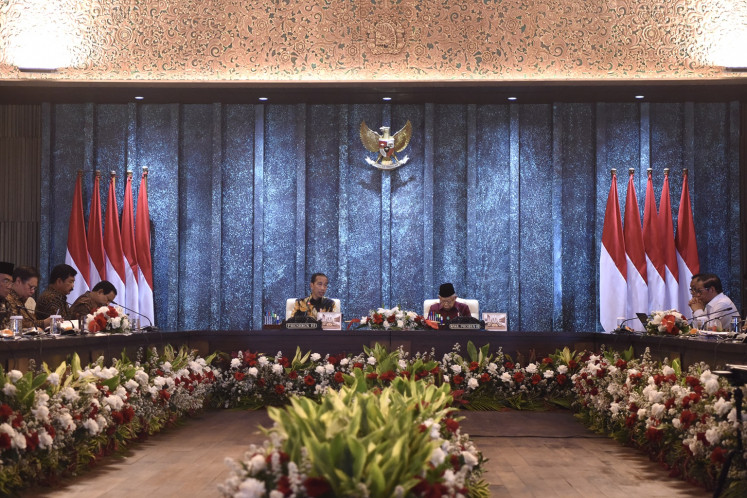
(128, 248)
(612, 264)
(96, 237)
(636, 257)
(115, 266)
(671, 275)
(142, 245)
(77, 247)
(654, 261)
(688, 262)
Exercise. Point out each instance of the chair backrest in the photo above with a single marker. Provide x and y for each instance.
(291, 303)
(474, 306)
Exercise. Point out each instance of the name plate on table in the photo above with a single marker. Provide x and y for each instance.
(331, 320)
(497, 322)
(302, 325)
(464, 326)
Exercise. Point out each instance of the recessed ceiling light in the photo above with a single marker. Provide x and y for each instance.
(263, 99)
(639, 97)
(512, 98)
(386, 98)
(139, 97)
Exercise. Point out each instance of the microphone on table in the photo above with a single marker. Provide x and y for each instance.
(718, 314)
(621, 326)
(149, 328)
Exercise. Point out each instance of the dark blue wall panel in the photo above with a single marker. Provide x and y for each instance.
(505, 201)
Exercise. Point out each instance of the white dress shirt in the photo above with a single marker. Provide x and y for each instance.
(717, 311)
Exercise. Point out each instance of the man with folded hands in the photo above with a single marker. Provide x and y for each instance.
(709, 303)
(102, 294)
(447, 305)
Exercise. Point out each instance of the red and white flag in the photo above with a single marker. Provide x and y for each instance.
(612, 264)
(142, 244)
(96, 237)
(128, 248)
(651, 242)
(687, 248)
(77, 247)
(636, 258)
(115, 265)
(671, 275)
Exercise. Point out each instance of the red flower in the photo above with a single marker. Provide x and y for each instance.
(458, 379)
(388, 375)
(508, 365)
(378, 318)
(250, 358)
(535, 379)
(165, 394)
(339, 377)
(669, 321)
(117, 417)
(5, 411)
(4, 441)
(405, 374)
(285, 362)
(239, 376)
(317, 486)
(17, 421)
(279, 388)
(547, 361)
(372, 376)
(261, 382)
(687, 418)
(561, 378)
(358, 365)
(473, 366)
(451, 424)
(283, 485)
(718, 455)
(128, 412)
(484, 378)
(654, 434)
(112, 312)
(692, 381)
(334, 359)
(293, 375)
(620, 363)
(572, 364)
(309, 380)
(518, 377)
(32, 441)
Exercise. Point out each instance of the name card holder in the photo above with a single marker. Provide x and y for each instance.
(302, 325)
(331, 320)
(495, 322)
(464, 326)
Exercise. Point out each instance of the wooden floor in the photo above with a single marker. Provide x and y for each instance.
(540, 454)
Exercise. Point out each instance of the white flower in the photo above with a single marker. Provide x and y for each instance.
(492, 368)
(166, 366)
(470, 460)
(710, 381)
(142, 377)
(657, 410)
(41, 413)
(437, 457)
(506, 377)
(251, 488)
(329, 368)
(667, 370)
(252, 371)
(446, 378)
(315, 357)
(262, 360)
(562, 369)
(14, 375)
(614, 408)
(549, 374)
(371, 360)
(722, 407)
(532, 368)
(402, 364)
(642, 412)
(69, 394)
(45, 440)
(91, 425)
(257, 464)
(472, 383)
(344, 361)
(276, 494)
(131, 385)
(401, 324)
(277, 368)
(713, 436)
(114, 401)
(320, 370)
(676, 423)
(235, 363)
(449, 477)
(54, 379)
(9, 389)
(456, 369)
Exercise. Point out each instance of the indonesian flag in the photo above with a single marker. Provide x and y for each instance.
(77, 247)
(671, 275)
(128, 248)
(652, 244)
(142, 245)
(612, 264)
(96, 237)
(636, 258)
(115, 265)
(688, 263)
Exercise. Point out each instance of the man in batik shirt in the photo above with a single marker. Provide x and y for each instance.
(102, 294)
(6, 280)
(53, 301)
(25, 283)
(309, 306)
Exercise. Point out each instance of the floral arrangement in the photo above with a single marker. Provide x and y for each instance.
(54, 423)
(391, 319)
(109, 319)
(351, 444)
(669, 322)
(685, 419)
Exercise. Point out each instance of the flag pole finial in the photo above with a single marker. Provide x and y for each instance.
(145, 170)
(98, 174)
(666, 171)
(684, 171)
(129, 174)
(631, 171)
(613, 171)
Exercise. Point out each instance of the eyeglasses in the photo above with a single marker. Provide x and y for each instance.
(696, 291)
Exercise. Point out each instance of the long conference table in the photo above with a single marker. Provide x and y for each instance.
(25, 354)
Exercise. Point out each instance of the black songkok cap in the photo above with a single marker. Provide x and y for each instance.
(446, 290)
(6, 268)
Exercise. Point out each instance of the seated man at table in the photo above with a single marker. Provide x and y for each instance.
(711, 307)
(102, 294)
(309, 306)
(25, 283)
(447, 305)
(53, 301)
(6, 280)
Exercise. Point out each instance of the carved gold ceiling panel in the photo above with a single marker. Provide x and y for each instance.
(358, 40)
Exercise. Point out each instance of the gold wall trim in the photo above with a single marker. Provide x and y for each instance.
(402, 40)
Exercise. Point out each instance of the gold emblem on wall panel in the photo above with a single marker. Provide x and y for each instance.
(386, 145)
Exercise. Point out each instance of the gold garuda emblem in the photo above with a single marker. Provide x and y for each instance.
(386, 145)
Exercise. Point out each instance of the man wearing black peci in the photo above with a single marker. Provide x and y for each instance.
(447, 305)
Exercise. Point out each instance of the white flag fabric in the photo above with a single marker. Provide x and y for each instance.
(142, 245)
(651, 242)
(671, 274)
(76, 254)
(115, 266)
(636, 258)
(687, 248)
(132, 296)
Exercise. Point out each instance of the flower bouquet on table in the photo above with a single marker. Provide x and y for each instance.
(108, 319)
(390, 319)
(667, 322)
